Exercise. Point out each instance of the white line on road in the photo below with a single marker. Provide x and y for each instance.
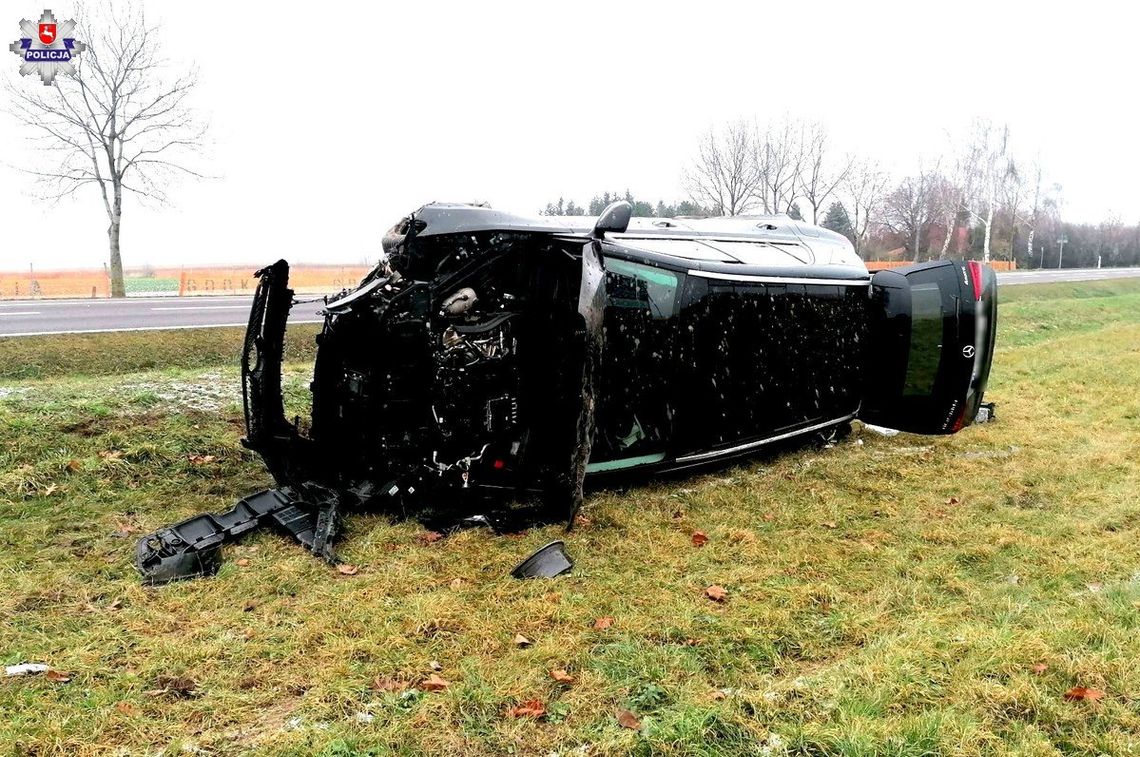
(25, 312)
(139, 328)
(208, 307)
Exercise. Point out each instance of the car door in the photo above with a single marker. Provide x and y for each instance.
(932, 329)
(635, 408)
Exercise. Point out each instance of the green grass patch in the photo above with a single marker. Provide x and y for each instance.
(1069, 290)
(132, 351)
(890, 596)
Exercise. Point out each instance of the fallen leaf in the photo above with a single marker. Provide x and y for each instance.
(627, 719)
(1039, 668)
(383, 683)
(249, 606)
(561, 676)
(243, 563)
(602, 624)
(952, 500)
(521, 641)
(435, 683)
(74, 465)
(693, 642)
(1095, 587)
(582, 521)
(127, 708)
(434, 665)
(456, 583)
(113, 454)
(718, 695)
(700, 538)
(716, 593)
(202, 459)
(829, 524)
(347, 570)
(1078, 693)
(429, 537)
(50, 490)
(57, 676)
(769, 517)
(530, 709)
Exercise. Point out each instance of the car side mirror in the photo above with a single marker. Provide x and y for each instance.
(614, 219)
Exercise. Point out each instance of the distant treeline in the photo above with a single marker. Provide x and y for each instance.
(975, 196)
(641, 208)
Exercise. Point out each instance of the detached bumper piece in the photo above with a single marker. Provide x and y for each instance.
(192, 548)
(548, 562)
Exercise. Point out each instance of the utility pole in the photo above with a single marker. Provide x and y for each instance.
(1061, 252)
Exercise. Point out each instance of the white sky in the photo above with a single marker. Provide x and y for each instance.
(330, 121)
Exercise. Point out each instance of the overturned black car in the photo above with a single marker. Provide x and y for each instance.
(491, 359)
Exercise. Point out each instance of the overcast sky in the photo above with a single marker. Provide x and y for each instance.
(329, 121)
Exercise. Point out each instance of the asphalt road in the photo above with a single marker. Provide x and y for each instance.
(33, 317)
(1048, 275)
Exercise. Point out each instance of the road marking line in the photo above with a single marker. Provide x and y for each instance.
(139, 328)
(24, 312)
(208, 307)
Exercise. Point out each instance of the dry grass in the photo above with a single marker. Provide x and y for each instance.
(886, 596)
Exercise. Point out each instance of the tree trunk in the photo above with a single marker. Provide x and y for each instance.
(951, 227)
(1029, 248)
(917, 234)
(986, 240)
(117, 288)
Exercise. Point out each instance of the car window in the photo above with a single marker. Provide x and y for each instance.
(640, 287)
(925, 339)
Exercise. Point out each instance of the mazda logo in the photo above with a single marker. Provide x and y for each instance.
(968, 351)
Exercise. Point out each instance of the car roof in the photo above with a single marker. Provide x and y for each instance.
(826, 247)
(458, 218)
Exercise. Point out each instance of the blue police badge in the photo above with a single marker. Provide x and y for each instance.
(47, 47)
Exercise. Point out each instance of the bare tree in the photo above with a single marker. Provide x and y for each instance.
(820, 174)
(909, 208)
(725, 176)
(864, 186)
(946, 206)
(779, 157)
(987, 168)
(1041, 205)
(118, 122)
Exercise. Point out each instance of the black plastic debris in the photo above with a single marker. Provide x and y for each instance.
(192, 548)
(548, 562)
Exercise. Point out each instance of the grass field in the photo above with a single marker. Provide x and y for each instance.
(900, 596)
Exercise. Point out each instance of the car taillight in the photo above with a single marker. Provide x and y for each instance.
(976, 277)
